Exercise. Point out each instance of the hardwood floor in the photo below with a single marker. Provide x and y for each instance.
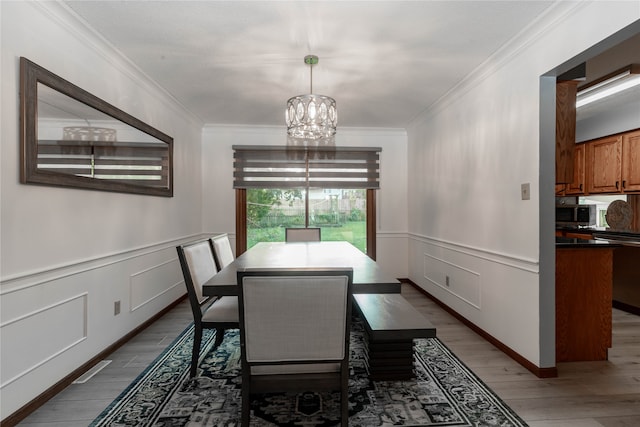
(585, 394)
(79, 404)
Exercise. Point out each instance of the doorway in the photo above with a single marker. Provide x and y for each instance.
(603, 54)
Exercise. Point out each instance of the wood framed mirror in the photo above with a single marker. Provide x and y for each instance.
(71, 138)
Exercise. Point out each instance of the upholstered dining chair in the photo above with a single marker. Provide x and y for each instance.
(294, 332)
(222, 250)
(309, 234)
(219, 313)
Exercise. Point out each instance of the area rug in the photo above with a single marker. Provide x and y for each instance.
(443, 393)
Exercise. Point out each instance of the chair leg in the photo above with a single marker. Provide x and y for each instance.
(344, 408)
(344, 395)
(219, 337)
(246, 401)
(195, 352)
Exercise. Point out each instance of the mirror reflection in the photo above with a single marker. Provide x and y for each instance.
(72, 138)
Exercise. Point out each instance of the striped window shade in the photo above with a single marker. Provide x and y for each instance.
(133, 163)
(306, 167)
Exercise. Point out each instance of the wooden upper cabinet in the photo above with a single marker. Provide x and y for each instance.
(577, 185)
(631, 161)
(604, 165)
(565, 130)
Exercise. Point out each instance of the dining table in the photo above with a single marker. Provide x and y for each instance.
(368, 276)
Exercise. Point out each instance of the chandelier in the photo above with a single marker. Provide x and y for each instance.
(311, 117)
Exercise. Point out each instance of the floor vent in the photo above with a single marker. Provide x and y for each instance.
(91, 372)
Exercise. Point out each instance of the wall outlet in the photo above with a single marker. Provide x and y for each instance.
(116, 308)
(525, 191)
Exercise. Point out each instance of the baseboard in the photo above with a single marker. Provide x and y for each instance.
(30, 407)
(626, 307)
(535, 370)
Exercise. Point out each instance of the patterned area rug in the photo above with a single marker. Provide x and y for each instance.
(444, 393)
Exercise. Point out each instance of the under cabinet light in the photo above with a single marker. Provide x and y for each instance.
(616, 82)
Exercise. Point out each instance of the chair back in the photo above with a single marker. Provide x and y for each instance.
(198, 265)
(295, 320)
(222, 251)
(302, 234)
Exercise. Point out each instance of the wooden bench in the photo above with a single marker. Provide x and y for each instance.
(391, 324)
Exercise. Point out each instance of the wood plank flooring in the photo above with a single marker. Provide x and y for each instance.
(585, 394)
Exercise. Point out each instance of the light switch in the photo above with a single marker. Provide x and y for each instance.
(525, 191)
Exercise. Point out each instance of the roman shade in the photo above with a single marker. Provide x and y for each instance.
(140, 163)
(306, 167)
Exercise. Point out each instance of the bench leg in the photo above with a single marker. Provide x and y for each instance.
(390, 360)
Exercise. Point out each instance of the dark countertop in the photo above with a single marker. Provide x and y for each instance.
(567, 242)
(601, 231)
(599, 234)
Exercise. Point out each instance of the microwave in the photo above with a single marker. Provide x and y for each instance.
(575, 215)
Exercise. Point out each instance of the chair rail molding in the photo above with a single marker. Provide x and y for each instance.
(529, 265)
(23, 280)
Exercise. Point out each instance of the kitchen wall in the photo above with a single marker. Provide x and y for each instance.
(616, 119)
(468, 157)
(66, 254)
(620, 113)
(219, 197)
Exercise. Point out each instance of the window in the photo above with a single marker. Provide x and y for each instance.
(340, 213)
(279, 187)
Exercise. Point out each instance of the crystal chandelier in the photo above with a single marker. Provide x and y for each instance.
(311, 117)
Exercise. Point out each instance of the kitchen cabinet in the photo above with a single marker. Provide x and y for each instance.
(613, 164)
(604, 165)
(626, 279)
(575, 234)
(631, 161)
(565, 130)
(584, 278)
(578, 235)
(577, 185)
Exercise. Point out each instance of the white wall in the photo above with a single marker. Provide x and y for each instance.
(468, 157)
(219, 197)
(68, 254)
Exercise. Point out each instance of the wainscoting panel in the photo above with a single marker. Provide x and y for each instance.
(498, 293)
(392, 253)
(144, 285)
(42, 335)
(56, 319)
(455, 279)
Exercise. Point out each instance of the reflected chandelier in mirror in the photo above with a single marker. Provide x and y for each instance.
(71, 138)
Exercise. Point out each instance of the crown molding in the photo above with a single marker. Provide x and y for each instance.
(66, 18)
(533, 32)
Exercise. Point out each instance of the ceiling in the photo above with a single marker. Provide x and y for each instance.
(613, 59)
(237, 62)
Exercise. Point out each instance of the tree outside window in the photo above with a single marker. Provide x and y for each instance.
(340, 213)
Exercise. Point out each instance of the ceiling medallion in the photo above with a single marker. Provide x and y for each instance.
(311, 117)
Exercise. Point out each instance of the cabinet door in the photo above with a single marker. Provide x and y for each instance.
(577, 185)
(604, 167)
(565, 130)
(631, 161)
